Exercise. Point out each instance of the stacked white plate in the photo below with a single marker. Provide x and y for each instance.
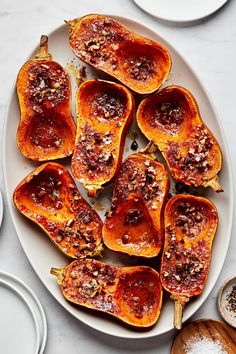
(1, 208)
(22, 319)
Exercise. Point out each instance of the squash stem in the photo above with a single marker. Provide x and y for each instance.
(99, 250)
(178, 315)
(59, 273)
(72, 25)
(150, 149)
(43, 49)
(214, 184)
(93, 190)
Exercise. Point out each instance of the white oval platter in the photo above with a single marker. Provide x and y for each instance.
(43, 255)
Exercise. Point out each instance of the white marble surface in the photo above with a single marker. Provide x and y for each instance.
(210, 47)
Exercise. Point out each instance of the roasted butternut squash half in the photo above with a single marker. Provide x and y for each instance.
(134, 225)
(138, 62)
(104, 113)
(49, 197)
(132, 294)
(46, 129)
(190, 227)
(171, 120)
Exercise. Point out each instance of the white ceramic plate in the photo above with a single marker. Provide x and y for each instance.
(1, 208)
(43, 255)
(20, 305)
(180, 10)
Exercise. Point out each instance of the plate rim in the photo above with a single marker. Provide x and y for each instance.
(205, 293)
(17, 293)
(176, 21)
(15, 282)
(1, 201)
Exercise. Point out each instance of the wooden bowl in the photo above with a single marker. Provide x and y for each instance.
(207, 328)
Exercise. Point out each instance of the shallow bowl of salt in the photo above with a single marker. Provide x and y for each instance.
(205, 336)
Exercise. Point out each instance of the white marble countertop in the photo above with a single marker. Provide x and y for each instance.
(210, 47)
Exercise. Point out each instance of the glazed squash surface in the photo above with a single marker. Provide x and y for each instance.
(171, 119)
(134, 223)
(132, 294)
(190, 227)
(139, 222)
(46, 129)
(138, 62)
(49, 197)
(104, 113)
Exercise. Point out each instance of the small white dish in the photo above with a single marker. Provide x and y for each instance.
(226, 301)
(21, 316)
(1, 208)
(181, 11)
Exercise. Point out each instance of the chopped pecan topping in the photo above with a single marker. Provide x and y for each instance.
(134, 217)
(169, 115)
(140, 68)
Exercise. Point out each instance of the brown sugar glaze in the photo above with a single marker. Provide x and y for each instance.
(49, 197)
(104, 113)
(138, 62)
(134, 223)
(170, 118)
(190, 226)
(133, 294)
(46, 130)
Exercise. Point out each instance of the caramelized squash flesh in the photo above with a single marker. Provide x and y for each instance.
(49, 197)
(134, 223)
(171, 120)
(46, 129)
(104, 113)
(132, 294)
(190, 227)
(138, 62)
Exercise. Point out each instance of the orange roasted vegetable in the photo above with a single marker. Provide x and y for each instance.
(132, 294)
(138, 62)
(46, 129)
(190, 227)
(134, 225)
(104, 112)
(49, 197)
(171, 120)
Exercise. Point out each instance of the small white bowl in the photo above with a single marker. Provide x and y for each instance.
(223, 302)
(181, 11)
